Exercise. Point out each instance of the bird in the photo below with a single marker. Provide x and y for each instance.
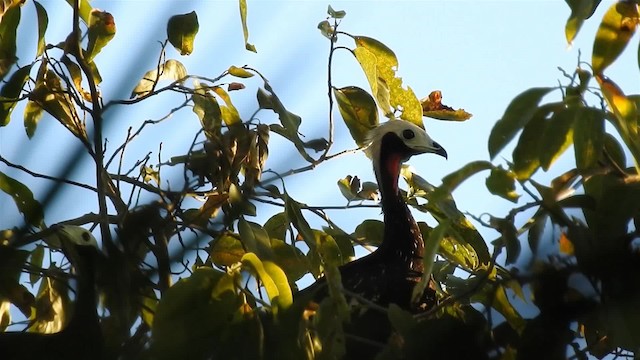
(389, 274)
(81, 338)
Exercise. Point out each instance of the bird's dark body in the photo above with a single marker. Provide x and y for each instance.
(389, 274)
(80, 339)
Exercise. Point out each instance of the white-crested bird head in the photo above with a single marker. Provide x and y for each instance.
(414, 138)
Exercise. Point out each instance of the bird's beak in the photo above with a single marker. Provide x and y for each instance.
(439, 150)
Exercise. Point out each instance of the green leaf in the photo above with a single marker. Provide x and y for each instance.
(526, 155)
(432, 244)
(206, 107)
(239, 72)
(11, 91)
(102, 28)
(37, 255)
(290, 121)
(509, 237)
(277, 226)
(580, 10)
(384, 82)
(536, 230)
(626, 114)
(226, 250)
(255, 239)
(358, 109)
(503, 306)
(182, 30)
(516, 116)
(292, 209)
(277, 288)
(197, 307)
(230, 114)
(32, 115)
(169, 70)
(616, 29)
(43, 22)
(30, 208)
(8, 27)
(85, 9)
(454, 179)
(346, 189)
(245, 28)
(61, 106)
(557, 136)
(370, 232)
(615, 150)
(336, 14)
(294, 263)
(588, 137)
(462, 230)
(501, 182)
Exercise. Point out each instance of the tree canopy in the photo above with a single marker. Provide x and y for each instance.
(189, 272)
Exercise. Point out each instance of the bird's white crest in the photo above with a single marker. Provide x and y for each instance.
(77, 235)
(421, 142)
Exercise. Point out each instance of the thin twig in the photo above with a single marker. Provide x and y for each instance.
(52, 178)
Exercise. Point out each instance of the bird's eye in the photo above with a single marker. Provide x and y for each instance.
(408, 134)
(86, 237)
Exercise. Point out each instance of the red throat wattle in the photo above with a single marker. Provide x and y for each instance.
(393, 168)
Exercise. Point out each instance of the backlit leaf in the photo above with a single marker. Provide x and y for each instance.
(370, 232)
(11, 90)
(336, 14)
(255, 238)
(379, 57)
(516, 116)
(277, 288)
(292, 209)
(433, 107)
(85, 9)
(102, 28)
(432, 244)
(616, 29)
(290, 121)
(43, 22)
(182, 30)
(245, 29)
(580, 10)
(294, 263)
(226, 250)
(501, 182)
(557, 137)
(239, 72)
(358, 109)
(8, 27)
(169, 70)
(188, 311)
(526, 155)
(277, 226)
(206, 107)
(625, 112)
(30, 208)
(588, 137)
(502, 304)
(32, 115)
(454, 179)
(37, 255)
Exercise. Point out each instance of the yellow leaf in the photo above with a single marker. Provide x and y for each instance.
(617, 27)
(566, 246)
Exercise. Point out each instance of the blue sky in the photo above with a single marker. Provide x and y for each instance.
(480, 54)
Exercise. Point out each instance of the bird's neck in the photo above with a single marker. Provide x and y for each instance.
(402, 237)
(85, 315)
